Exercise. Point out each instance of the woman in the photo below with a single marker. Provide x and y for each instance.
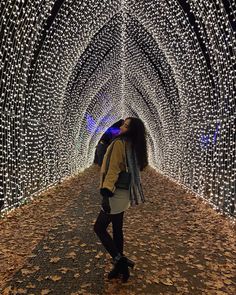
(128, 148)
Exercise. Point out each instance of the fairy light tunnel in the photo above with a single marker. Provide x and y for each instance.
(70, 69)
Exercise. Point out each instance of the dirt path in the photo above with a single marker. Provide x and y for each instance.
(180, 245)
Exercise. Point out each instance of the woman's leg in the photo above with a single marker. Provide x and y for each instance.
(100, 228)
(117, 226)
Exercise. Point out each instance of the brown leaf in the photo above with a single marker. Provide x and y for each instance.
(99, 255)
(30, 286)
(166, 282)
(21, 291)
(156, 281)
(219, 292)
(45, 292)
(64, 270)
(227, 281)
(40, 279)
(55, 259)
(153, 255)
(55, 278)
(7, 291)
(219, 284)
(25, 271)
(199, 266)
(71, 255)
(85, 285)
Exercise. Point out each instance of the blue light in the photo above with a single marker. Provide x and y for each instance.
(205, 138)
(216, 133)
(92, 125)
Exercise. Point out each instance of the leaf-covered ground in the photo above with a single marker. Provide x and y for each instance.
(179, 243)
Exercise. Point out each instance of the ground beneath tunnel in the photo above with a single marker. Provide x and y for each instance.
(180, 244)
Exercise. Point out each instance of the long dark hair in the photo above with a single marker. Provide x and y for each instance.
(136, 135)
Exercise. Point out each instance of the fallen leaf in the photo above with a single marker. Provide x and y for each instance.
(199, 266)
(45, 292)
(156, 281)
(99, 255)
(21, 291)
(71, 255)
(166, 282)
(31, 286)
(55, 278)
(227, 281)
(7, 290)
(64, 270)
(40, 279)
(219, 284)
(25, 271)
(55, 259)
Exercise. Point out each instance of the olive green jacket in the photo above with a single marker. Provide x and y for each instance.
(116, 165)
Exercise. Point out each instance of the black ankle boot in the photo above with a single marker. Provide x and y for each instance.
(114, 273)
(130, 262)
(120, 267)
(123, 267)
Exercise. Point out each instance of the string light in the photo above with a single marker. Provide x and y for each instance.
(171, 63)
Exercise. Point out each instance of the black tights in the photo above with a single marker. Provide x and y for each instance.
(113, 246)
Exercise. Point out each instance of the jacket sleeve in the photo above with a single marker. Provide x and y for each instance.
(114, 168)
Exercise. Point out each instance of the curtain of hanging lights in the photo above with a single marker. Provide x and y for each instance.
(70, 69)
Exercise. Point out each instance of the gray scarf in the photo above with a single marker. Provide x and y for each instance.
(136, 191)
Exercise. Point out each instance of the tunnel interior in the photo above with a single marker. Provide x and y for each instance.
(70, 69)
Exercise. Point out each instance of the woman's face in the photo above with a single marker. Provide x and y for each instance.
(125, 127)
